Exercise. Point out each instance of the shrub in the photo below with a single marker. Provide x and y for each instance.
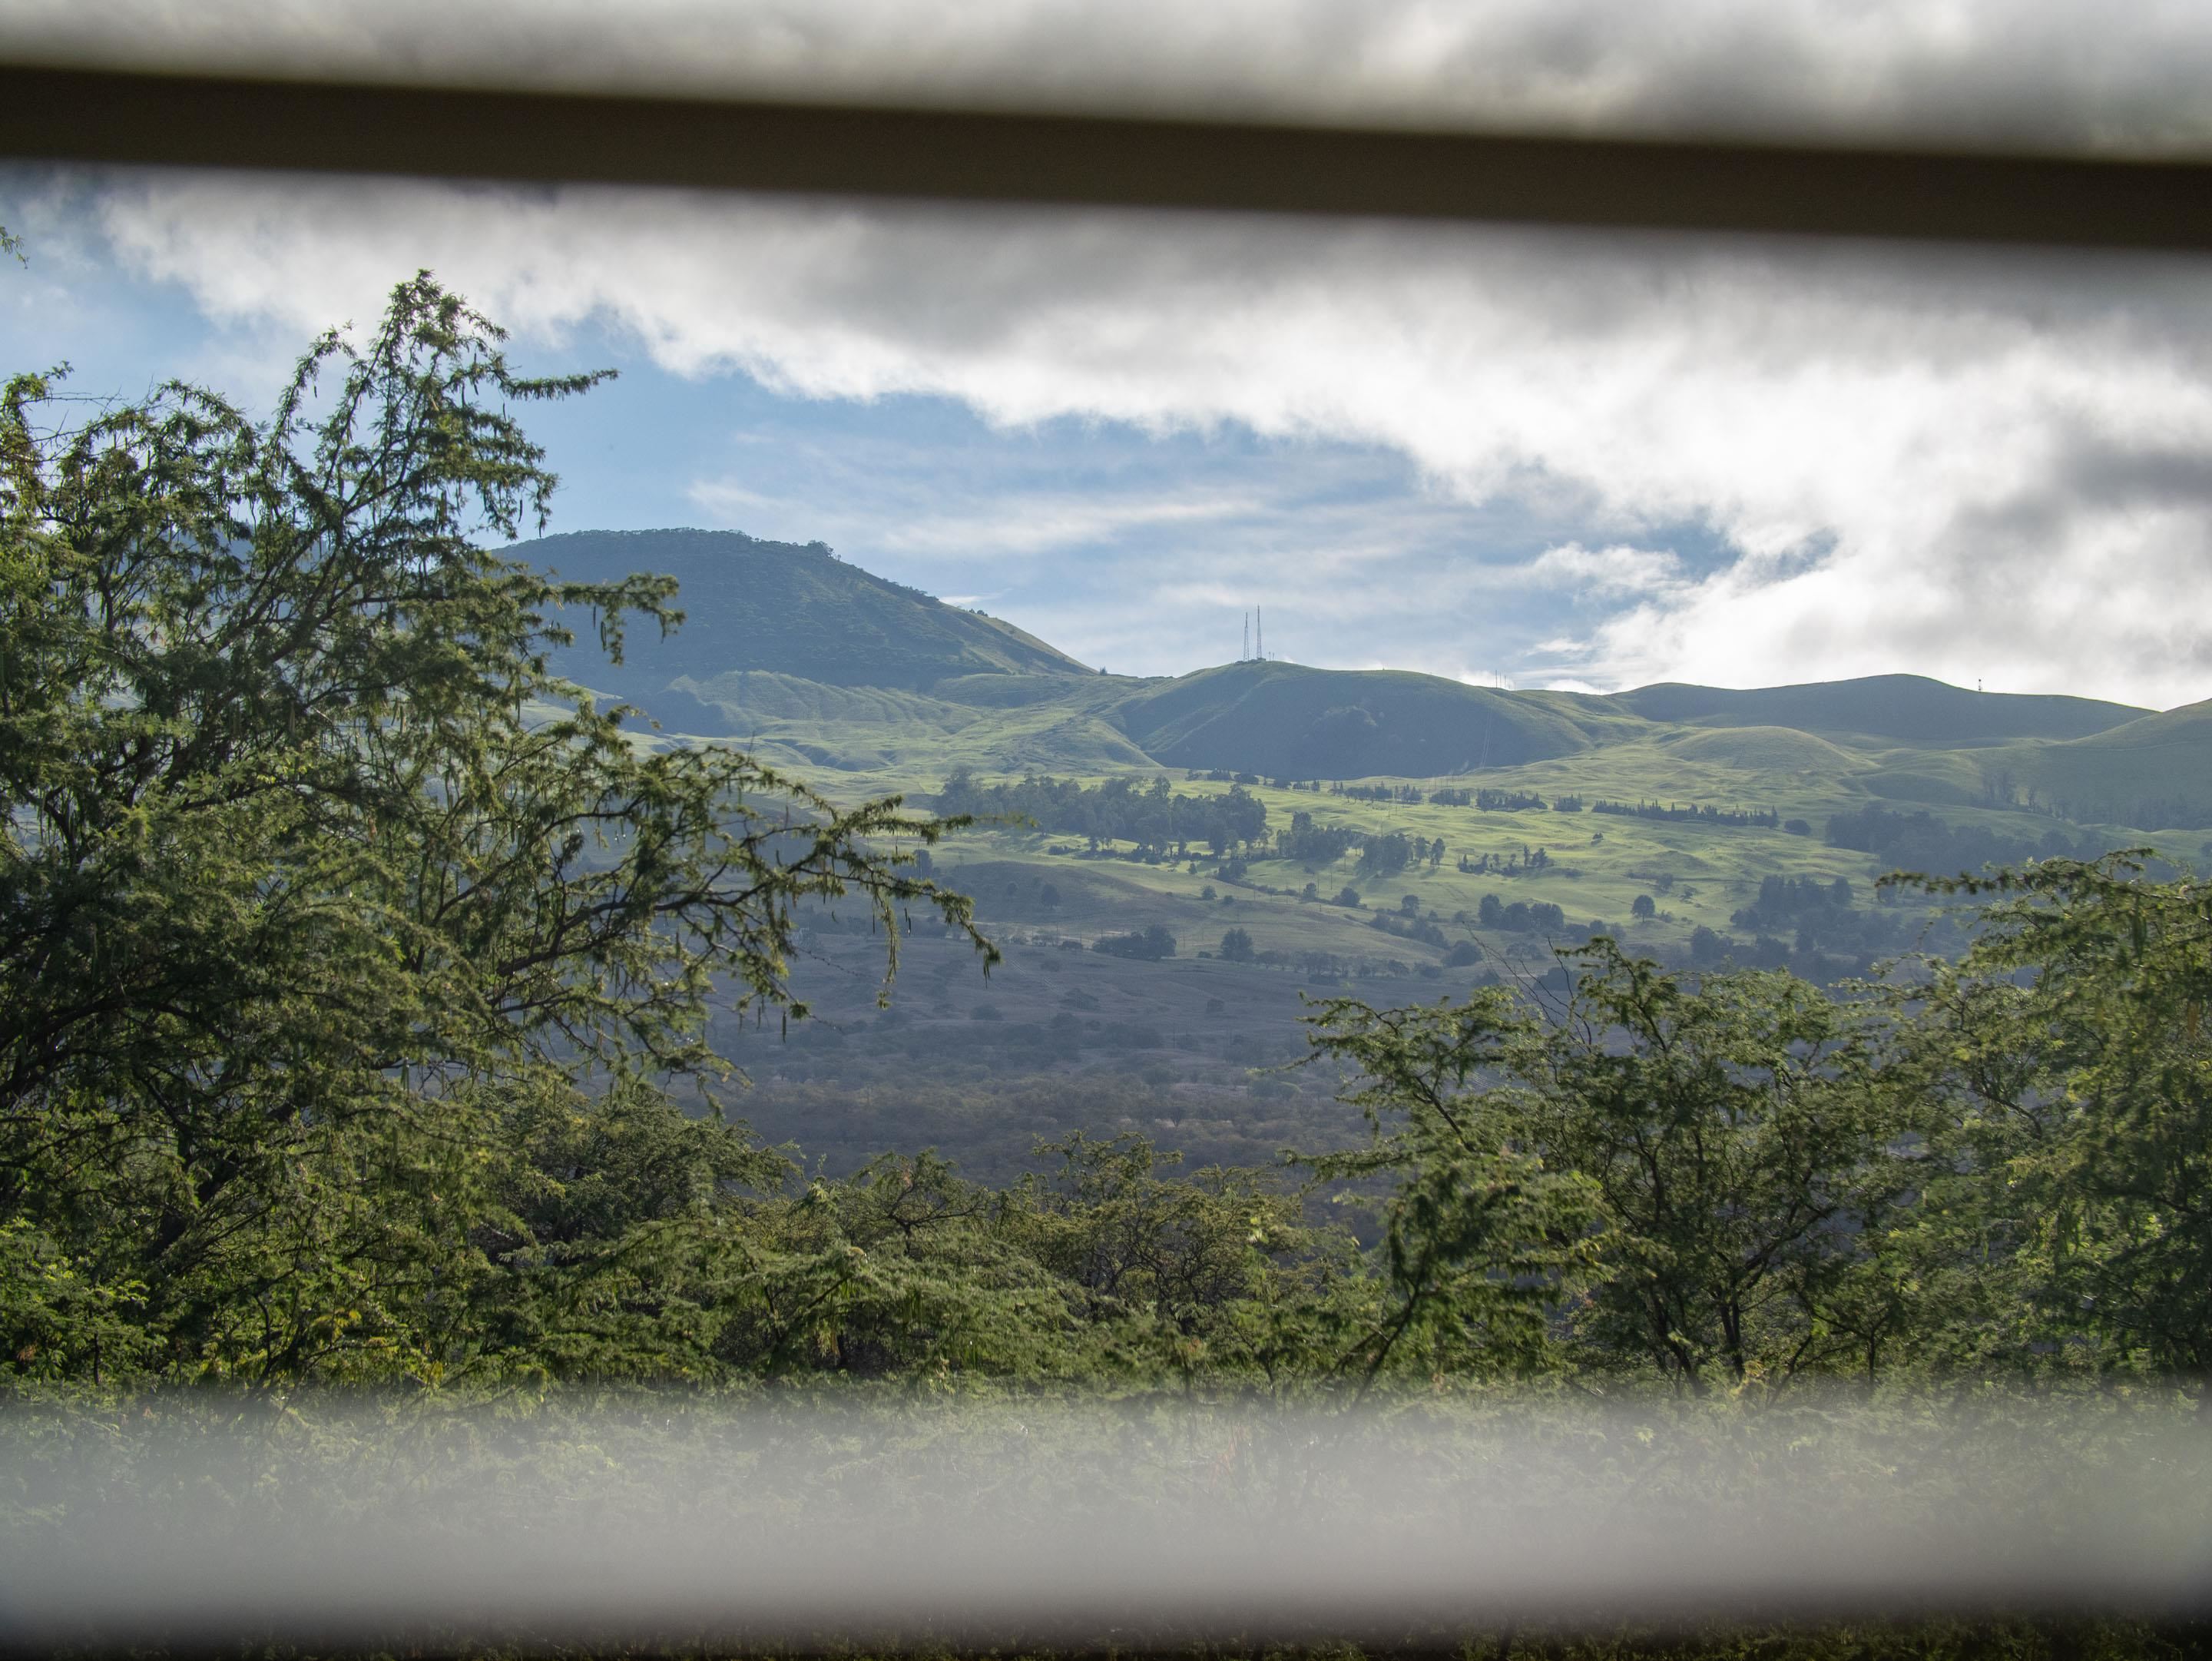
(1149, 944)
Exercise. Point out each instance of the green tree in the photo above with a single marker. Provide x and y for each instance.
(2068, 1059)
(1236, 945)
(1746, 1168)
(315, 877)
(1482, 1239)
(1211, 1277)
(1680, 1177)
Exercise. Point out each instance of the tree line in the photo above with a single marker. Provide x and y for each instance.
(1150, 814)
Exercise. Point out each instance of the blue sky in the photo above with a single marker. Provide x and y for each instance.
(1543, 460)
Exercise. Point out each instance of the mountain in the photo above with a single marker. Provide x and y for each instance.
(1910, 708)
(779, 607)
(1285, 720)
(812, 660)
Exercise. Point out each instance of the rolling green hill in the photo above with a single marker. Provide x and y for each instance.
(1284, 719)
(2155, 772)
(819, 664)
(1911, 709)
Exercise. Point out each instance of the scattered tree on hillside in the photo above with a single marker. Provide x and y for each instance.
(1149, 944)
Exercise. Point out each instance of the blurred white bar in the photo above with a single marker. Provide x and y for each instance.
(1123, 1525)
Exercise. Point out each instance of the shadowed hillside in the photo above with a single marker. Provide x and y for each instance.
(2154, 772)
(1284, 719)
(1909, 708)
(791, 610)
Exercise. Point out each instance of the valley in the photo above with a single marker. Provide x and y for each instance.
(1408, 838)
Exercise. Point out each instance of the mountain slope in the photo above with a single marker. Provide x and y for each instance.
(1285, 720)
(815, 661)
(1911, 709)
(787, 609)
(2155, 772)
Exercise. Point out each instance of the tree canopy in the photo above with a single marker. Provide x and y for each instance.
(323, 899)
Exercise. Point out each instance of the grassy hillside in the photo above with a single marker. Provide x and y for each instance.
(876, 688)
(1285, 719)
(1911, 709)
(2155, 771)
(793, 610)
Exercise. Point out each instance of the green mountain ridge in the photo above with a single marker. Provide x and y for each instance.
(1909, 708)
(1286, 719)
(809, 660)
(790, 609)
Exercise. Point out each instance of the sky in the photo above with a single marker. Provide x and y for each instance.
(1541, 458)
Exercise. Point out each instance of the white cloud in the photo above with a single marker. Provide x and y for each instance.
(1605, 573)
(1011, 522)
(1963, 465)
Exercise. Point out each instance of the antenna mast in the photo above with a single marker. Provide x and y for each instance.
(1247, 652)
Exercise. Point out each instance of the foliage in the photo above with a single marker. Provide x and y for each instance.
(1480, 1239)
(2068, 1218)
(1919, 841)
(1722, 1138)
(309, 885)
(1746, 1163)
(1702, 813)
(1152, 815)
(1521, 917)
(1308, 843)
(1151, 943)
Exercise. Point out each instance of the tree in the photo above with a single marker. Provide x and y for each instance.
(1236, 945)
(319, 888)
(1149, 944)
(1482, 1237)
(1694, 1176)
(1746, 1166)
(1644, 908)
(2069, 1215)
